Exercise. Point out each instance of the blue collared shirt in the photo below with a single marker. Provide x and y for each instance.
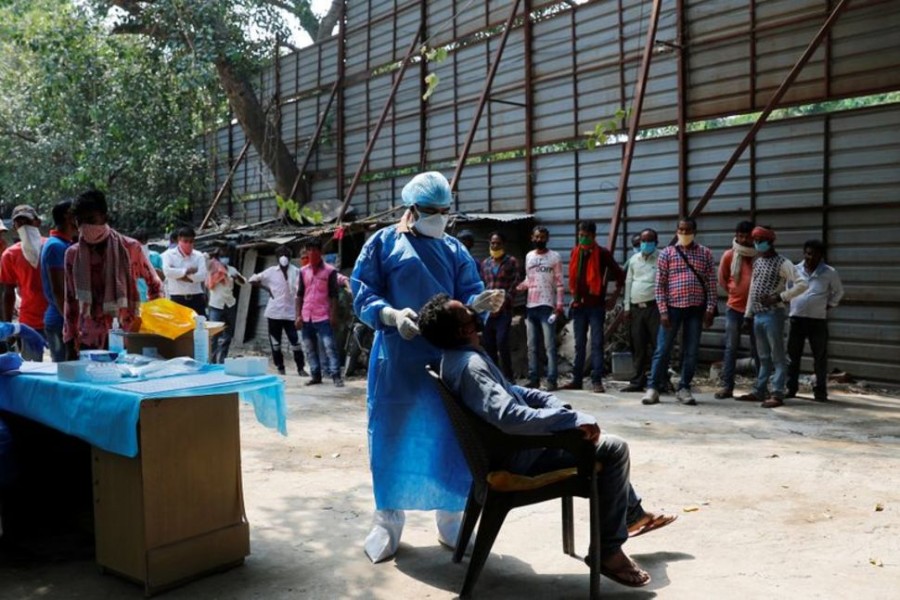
(479, 383)
(825, 291)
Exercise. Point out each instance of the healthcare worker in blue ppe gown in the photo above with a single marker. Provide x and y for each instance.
(415, 460)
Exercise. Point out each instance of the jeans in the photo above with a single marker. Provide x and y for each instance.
(222, 342)
(644, 329)
(582, 317)
(816, 331)
(57, 346)
(618, 501)
(311, 334)
(536, 320)
(733, 322)
(495, 338)
(276, 327)
(691, 320)
(769, 328)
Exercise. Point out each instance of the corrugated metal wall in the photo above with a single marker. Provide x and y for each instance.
(831, 176)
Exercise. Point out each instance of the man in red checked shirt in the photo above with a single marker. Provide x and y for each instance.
(686, 298)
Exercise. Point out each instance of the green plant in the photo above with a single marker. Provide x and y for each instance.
(602, 130)
(297, 213)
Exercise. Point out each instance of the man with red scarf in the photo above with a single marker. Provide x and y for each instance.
(101, 271)
(590, 268)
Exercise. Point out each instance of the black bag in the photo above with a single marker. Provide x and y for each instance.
(703, 283)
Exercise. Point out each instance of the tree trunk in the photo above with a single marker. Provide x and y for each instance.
(326, 25)
(261, 132)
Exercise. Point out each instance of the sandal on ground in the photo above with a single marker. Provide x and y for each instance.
(772, 403)
(748, 398)
(629, 575)
(649, 522)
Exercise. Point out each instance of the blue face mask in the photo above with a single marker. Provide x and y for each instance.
(762, 246)
(648, 247)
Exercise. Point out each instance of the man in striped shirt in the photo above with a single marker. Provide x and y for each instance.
(686, 298)
(772, 274)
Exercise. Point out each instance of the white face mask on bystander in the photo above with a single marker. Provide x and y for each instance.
(31, 243)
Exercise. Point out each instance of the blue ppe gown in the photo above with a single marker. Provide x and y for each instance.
(415, 459)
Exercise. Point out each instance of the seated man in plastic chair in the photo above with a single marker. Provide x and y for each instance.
(478, 382)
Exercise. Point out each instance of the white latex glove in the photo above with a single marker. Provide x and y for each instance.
(489, 300)
(402, 319)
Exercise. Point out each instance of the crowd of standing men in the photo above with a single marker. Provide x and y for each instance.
(667, 291)
(74, 286)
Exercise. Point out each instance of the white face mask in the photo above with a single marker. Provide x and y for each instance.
(224, 260)
(31, 243)
(283, 261)
(432, 226)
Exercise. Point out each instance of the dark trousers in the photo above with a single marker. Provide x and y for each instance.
(619, 504)
(816, 331)
(286, 326)
(496, 341)
(584, 318)
(195, 301)
(644, 327)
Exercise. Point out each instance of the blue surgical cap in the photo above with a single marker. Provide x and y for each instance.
(427, 189)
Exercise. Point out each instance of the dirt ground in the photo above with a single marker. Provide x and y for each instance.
(798, 502)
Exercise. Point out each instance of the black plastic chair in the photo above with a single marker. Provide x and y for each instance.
(496, 491)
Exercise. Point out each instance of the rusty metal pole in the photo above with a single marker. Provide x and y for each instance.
(529, 112)
(682, 108)
(339, 110)
(636, 107)
(313, 142)
(485, 92)
(225, 185)
(398, 77)
(770, 106)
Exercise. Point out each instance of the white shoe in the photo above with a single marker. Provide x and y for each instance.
(685, 396)
(384, 538)
(448, 524)
(651, 396)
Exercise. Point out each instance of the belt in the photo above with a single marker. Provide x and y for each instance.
(645, 304)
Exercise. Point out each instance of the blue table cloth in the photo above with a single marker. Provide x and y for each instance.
(107, 417)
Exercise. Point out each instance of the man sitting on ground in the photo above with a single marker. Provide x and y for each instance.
(479, 383)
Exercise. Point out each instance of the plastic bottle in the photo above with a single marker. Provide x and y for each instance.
(116, 337)
(201, 340)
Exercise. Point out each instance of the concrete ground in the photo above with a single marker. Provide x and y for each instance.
(797, 502)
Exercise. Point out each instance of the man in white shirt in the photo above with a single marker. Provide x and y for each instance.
(543, 280)
(640, 307)
(222, 303)
(808, 314)
(185, 271)
(281, 282)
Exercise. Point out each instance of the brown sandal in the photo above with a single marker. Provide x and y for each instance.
(649, 522)
(747, 398)
(772, 403)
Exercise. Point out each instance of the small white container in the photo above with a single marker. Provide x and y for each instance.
(72, 370)
(246, 366)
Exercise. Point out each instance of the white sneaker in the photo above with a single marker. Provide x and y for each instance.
(685, 396)
(651, 396)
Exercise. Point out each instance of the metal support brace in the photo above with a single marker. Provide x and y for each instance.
(485, 92)
(398, 77)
